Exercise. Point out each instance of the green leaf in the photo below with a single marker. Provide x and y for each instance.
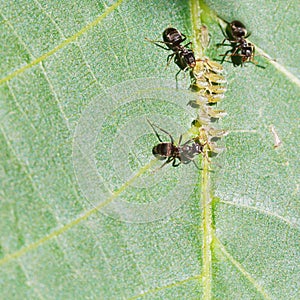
(85, 214)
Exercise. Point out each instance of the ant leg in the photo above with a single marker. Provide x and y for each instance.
(253, 60)
(224, 55)
(174, 164)
(248, 35)
(196, 165)
(232, 54)
(227, 45)
(156, 43)
(223, 32)
(236, 50)
(167, 161)
(169, 58)
(226, 39)
(190, 43)
(184, 37)
(186, 157)
(176, 78)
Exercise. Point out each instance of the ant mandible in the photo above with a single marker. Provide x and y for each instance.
(184, 57)
(236, 34)
(184, 153)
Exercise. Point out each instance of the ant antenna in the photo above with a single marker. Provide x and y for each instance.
(157, 135)
(152, 125)
(156, 43)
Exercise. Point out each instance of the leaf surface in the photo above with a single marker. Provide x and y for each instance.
(84, 214)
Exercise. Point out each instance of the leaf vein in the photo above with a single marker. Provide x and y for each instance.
(263, 211)
(63, 44)
(22, 165)
(9, 257)
(241, 268)
(161, 288)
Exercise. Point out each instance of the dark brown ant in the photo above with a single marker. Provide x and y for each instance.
(184, 57)
(185, 153)
(236, 34)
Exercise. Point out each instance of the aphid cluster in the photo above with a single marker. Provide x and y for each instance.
(210, 85)
(236, 34)
(207, 80)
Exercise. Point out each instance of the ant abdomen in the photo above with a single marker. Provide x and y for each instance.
(173, 37)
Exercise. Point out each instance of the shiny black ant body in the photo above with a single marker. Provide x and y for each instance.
(238, 31)
(184, 57)
(236, 34)
(185, 153)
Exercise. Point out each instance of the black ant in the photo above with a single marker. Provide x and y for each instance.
(236, 34)
(184, 153)
(184, 57)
